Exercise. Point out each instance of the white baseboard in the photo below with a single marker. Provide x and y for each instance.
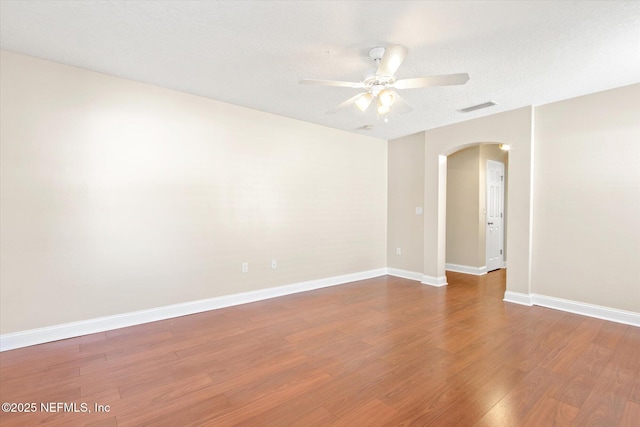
(422, 278)
(405, 274)
(591, 310)
(476, 271)
(434, 281)
(517, 298)
(69, 330)
(584, 309)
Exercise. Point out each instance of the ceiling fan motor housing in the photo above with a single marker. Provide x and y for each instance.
(376, 53)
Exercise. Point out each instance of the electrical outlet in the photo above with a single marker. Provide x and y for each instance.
(398, 251)
(245, 267)
(274, 264)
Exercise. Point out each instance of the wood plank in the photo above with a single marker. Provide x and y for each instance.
(630, 415)
(518, 406)
(373, 412)
(608, 397)
(552, 413)
(479, 396)
(582, 375)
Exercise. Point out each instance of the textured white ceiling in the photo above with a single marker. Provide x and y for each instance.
(253, 53)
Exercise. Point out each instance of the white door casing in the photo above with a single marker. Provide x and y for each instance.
(495, 215)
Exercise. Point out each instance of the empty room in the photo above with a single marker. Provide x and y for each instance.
(358, 213)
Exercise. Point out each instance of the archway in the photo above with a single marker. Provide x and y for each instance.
(475, 233)
(513, 128)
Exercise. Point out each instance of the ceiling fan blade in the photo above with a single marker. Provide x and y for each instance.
(391, 60)
(331, 83)
(443, 80)
(344, 105)
(401, 106)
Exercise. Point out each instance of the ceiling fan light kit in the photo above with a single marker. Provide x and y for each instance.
(363, 101)
(383, 109)
(379, 85)
(386, 97)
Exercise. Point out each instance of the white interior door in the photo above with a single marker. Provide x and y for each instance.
(495, 215)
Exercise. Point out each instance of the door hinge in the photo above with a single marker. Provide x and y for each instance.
(500, 251)
(501, 177)
(500, 214)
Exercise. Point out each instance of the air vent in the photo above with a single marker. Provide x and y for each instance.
(478, 107)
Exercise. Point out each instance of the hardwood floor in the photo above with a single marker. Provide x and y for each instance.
(384, 351)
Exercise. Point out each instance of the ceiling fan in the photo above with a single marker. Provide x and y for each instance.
(380, 84)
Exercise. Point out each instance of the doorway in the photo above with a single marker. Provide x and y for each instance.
(494, 227)
(476, 184)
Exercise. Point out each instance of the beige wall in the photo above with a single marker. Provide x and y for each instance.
(405, 194)
(587, 199)
(463, 208)
(119, 196)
